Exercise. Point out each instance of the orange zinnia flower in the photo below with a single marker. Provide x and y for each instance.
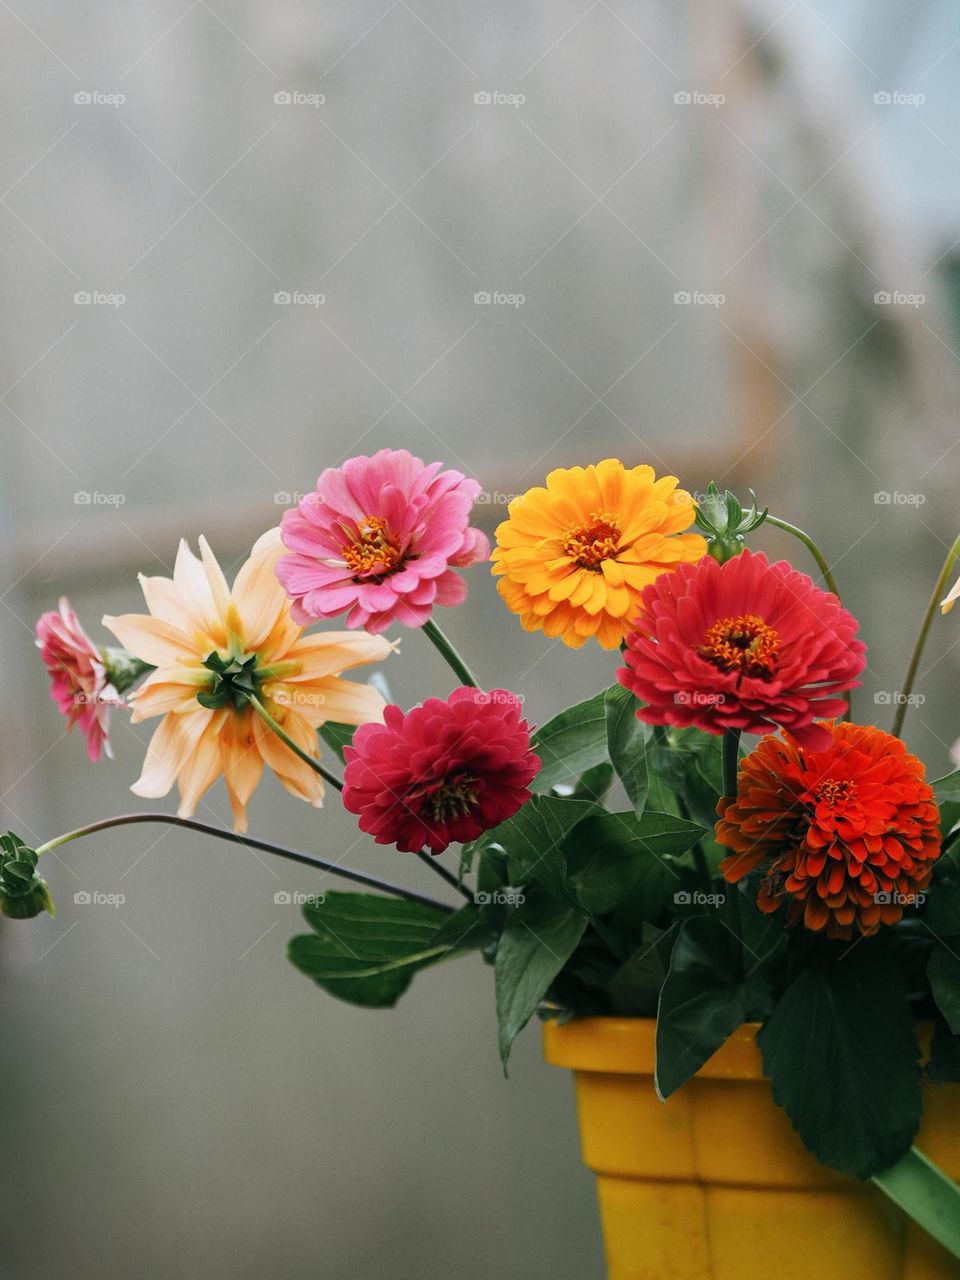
(847, 836)
(197, 624)
(575, 556)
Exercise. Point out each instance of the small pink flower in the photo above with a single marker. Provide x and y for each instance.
(79, 683)
(448, 770)
(378, 537)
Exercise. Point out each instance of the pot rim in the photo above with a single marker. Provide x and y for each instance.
(627, 1046)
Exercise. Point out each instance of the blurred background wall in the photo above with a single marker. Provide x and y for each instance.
(239, 243)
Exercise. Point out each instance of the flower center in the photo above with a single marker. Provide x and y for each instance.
(373, 552)
(745, 644)
(452, 799)
(834, 792)
(594, 543)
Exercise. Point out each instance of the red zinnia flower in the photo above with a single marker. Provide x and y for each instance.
(847, 836)
(742, 645)
(445, 771)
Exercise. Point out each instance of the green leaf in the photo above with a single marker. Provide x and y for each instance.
(701, 1005)
(927, 1195)
(841, 1055)
(533, 840)
(366, 948)
(943, 972)
(943, 1066)
(688, 762)
(592, 785)
(627, 739)
(609, 853)
(571, 743)
(947, 792)
(539, 938)
(634, 990)
(337, 736)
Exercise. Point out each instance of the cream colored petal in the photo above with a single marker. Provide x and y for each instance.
(169, 749)
(163, 601)
(259, 598)
(202, 768)
(242, 761)
(151, 639)
(347, 702)
(194, 591)
(949, 601)
(215, 579)
(156, 698)
(332, 652)
(296, 776)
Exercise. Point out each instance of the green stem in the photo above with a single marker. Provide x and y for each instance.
(911, 673)
(450, 655)
(811, 546)
(315, 765)
(730, 764)
(444, 874)
(824, 568)
(293, 855)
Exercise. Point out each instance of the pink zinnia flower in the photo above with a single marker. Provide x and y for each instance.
(445, 771)
(742, 645)
(79, 683)
(378, 537)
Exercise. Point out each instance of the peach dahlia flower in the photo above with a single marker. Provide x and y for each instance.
(195, 615)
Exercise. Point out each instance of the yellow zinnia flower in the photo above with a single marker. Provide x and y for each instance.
(575, 556)
(195, 628)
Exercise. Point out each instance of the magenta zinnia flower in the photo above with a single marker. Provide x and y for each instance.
(445, 771)
(742, 645)
(378, 537)
(79, 683)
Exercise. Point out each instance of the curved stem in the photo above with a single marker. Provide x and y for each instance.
(730, 761)
(292, 855)
(911, 673)
(811, 546)
(450, 655)
(315, 765)
(444, 874)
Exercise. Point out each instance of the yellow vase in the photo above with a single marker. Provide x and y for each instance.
(714, 1184)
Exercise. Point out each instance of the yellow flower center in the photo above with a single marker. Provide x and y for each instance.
(373, 552)
(745, 644)
(594, 543)
(832, 791)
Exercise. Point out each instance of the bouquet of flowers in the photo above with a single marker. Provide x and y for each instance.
(631, 857)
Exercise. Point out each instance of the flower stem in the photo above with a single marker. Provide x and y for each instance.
(315, 765)
(730, 762)
(824, 568)
(911, 673)
(293, 855)
(444, 874)
(811, 546)
(449, 653)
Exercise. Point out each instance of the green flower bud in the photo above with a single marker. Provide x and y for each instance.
(23, 892)
(122, 669)
(722, 518)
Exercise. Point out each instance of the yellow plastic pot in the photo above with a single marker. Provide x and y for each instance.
(714, 1184)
